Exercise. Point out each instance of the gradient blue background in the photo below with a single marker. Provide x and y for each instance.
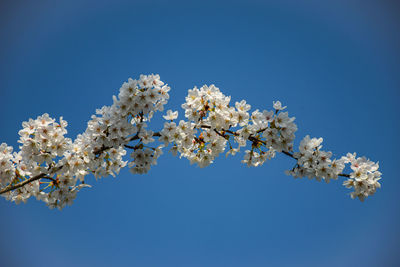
(335, 64)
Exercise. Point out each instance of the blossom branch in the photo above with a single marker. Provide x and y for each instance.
(211, 124)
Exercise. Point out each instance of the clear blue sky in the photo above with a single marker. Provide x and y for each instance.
(335, 64)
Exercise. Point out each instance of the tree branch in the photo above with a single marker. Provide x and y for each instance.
(251, 138)
(11, 187)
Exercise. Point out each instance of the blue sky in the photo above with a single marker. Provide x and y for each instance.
(335, 64)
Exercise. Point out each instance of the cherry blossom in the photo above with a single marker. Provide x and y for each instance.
(54, 168)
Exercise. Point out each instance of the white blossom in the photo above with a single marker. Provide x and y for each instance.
(278, 106)
(171, 115)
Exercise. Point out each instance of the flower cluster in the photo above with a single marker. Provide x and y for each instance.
(312, 162)
(211, 123)
(269, 132)
(42, 141)
(46, 154)
(144, 159)
(121, 123)
(364, 178)
(52, 167)
(202, 137)
(7, 167)
(42, 145)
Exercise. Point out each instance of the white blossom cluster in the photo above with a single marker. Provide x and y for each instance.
(101, 147)
(144, 156)
(312, 162)
(201, 138)
(270, 132)
(42, 140)
(364, 178)
(210, 125)
(52, 167)
(42, 146)
(7, 167)
(61, 163)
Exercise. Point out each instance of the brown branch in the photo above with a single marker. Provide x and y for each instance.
(234, 133)
(135, 137)
(104, 148)
(288, 154)
(11, 187)
(251, 138)
(32, 179)
(255, 140)
(262, 130)
(220, 134)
